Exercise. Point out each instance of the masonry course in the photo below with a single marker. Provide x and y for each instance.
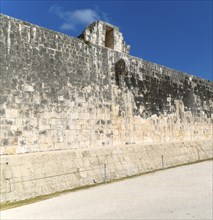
(78, 111)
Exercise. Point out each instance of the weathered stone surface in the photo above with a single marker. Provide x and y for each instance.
(28, 175)
(106, 35)
(62, 94)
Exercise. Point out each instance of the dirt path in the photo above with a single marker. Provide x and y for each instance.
(180, 193)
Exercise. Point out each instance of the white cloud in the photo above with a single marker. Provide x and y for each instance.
(72, 19)
(84, 16)
(67, 26)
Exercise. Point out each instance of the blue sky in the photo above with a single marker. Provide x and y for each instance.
(176, 34)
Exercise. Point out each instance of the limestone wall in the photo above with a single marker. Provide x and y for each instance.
(160, 104)
(60, 97)
(29, 175)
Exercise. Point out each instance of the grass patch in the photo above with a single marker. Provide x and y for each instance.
(9, 205)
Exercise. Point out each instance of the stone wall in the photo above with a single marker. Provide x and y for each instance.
(61, 96)
(29, 175)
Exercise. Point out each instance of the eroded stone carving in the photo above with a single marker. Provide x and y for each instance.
(122, 67)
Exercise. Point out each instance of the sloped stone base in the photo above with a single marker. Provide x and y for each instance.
(26, 176)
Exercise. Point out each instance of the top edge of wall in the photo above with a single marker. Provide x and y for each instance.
(195, 78)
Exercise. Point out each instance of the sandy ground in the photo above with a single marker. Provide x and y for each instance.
(179, 193)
